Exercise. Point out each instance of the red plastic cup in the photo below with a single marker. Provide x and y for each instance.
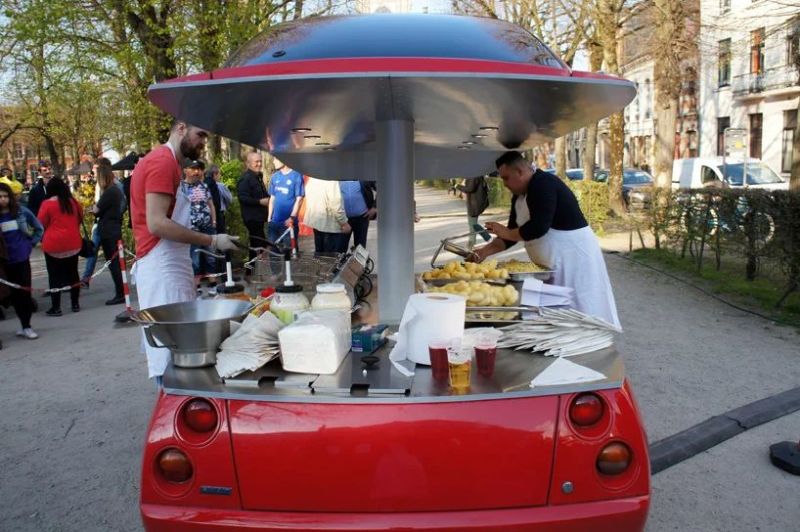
(439, 366)
(485, 356)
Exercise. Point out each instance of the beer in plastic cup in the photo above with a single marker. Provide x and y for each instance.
(460, 366)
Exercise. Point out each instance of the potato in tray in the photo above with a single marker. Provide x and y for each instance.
(480, 294)
(466, 271)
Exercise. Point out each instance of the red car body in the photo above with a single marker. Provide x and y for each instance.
(516, 464)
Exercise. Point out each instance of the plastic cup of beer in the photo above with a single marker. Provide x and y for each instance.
(437, 349)
(460, 365)
(485, 354)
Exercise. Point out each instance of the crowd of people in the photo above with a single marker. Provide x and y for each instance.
(54, 212)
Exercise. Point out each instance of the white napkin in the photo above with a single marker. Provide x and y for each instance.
(251, 344)
(562, 371)
(537, 294)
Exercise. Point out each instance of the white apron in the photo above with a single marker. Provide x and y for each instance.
(578, 263)
(165, 276)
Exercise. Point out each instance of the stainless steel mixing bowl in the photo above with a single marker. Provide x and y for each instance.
(193, 330)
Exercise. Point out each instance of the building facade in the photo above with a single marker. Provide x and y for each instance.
(637, 65)
(749, 77)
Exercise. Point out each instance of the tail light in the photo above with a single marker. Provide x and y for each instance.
(614, 458)
(586, 410)
(174, 466)
(200, 416)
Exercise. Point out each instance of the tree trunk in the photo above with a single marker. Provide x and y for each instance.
(664, 142)
(561, 157)
(234, 150)
(616, 130)
(794, 180)
(608, 14)
(589, 152)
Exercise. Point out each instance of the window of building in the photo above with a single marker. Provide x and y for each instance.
(724, 63)
(793, 43)
(723, 123)
(787, 139)
(756, 124)
(757, 38)
(648, 99)
(724, 6)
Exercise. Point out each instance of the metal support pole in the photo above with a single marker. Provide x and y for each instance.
(395, 157)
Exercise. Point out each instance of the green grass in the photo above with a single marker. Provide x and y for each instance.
(760, 295)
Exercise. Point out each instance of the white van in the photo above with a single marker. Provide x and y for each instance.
(700, 172)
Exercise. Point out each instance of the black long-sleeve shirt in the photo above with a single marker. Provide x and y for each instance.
(552, 206)
(251, 191)
(109, 213)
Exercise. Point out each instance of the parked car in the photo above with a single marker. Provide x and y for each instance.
(700, 172)
(573, 174)
(635, 183)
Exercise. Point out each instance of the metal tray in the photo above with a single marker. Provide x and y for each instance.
(443, 282)
(545, 275)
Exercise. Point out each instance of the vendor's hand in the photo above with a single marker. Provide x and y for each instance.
(346, 228)
(371, 214)
(264, 201)
(478, 255)
(223, 242)
(289, 222)
(497, 228)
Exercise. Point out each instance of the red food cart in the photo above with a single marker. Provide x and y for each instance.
(394, 98)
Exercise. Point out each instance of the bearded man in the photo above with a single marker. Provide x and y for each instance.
(160, 213)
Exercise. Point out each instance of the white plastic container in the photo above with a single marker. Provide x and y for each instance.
(316, 342)
(331, 296)
(288, 302)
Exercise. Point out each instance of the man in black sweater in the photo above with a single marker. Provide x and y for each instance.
(254, 201)
(545, 215)
(37, 193)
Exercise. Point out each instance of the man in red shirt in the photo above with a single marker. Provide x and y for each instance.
(161, 228)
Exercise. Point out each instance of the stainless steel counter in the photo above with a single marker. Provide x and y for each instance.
(353, 382)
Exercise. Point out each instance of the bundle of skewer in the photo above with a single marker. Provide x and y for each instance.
(559, 333)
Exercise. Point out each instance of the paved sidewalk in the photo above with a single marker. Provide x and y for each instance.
(76, 403)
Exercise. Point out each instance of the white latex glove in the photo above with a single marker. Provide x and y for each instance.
(223, 242)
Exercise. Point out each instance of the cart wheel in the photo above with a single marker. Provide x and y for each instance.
(369, 266)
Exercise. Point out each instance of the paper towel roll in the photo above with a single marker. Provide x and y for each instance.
(438, 317)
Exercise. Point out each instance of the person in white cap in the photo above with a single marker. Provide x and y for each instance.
(160, 215)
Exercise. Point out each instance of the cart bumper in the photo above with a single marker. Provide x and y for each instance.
(620, 515)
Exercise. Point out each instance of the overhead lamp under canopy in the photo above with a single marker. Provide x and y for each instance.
(333, 78)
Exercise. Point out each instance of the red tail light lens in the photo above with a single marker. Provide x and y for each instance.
(174, 465)
(199, 415)
(586, 410)
(614, 458)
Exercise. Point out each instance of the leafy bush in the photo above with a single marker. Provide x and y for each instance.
(593, 200)
(499, 195)
(757, 225)
(230, 173)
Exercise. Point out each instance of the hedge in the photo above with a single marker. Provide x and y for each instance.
(755, 224)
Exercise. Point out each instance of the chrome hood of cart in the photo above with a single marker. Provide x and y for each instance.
(312, 92)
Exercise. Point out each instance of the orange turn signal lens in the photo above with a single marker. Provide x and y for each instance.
(614, 458)
(174, 465)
